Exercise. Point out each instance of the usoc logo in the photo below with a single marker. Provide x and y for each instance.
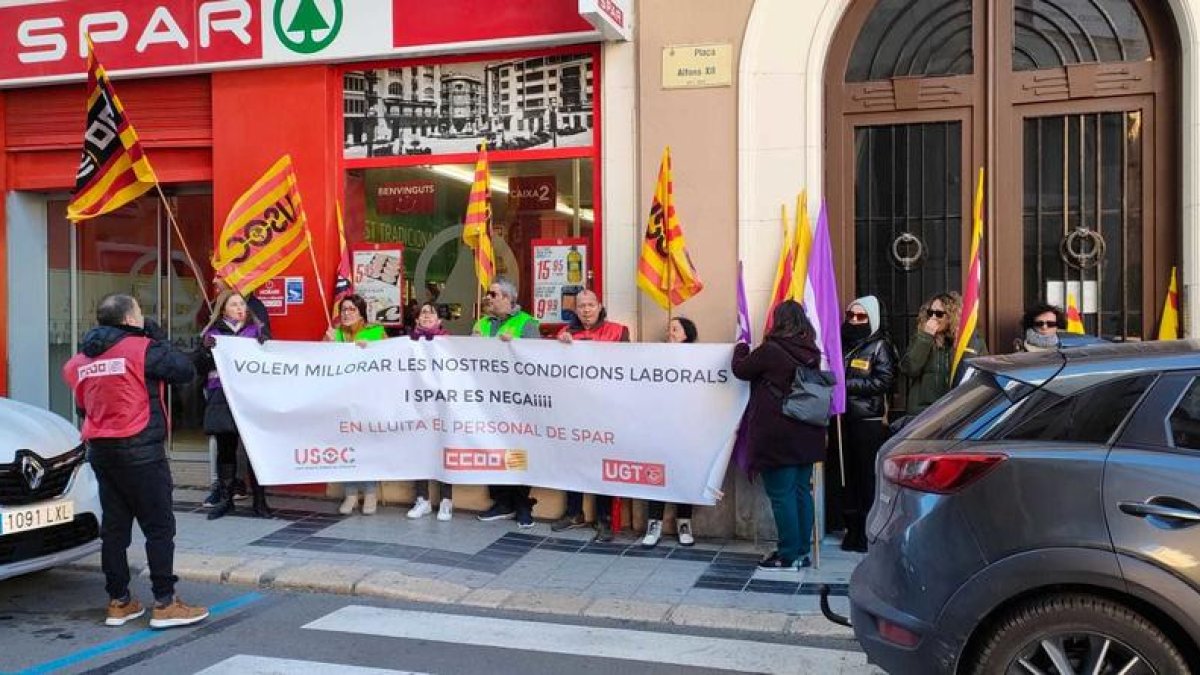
(308, 29)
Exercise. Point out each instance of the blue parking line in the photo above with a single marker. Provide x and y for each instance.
(135, 638)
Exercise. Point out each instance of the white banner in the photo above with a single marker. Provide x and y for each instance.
(651, 421)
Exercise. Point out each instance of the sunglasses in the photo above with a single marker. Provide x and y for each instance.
(931, 313)
(857, 316)
(1045, 324)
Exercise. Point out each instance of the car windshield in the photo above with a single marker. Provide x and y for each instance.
(969, 409)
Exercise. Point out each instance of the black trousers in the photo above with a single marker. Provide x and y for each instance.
(510, 496)
(603, 506)
(861, 443)
(227, 447)
(655, 510)
(143, 493)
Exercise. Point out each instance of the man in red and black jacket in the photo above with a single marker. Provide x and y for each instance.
(119, 382)
(591, 323)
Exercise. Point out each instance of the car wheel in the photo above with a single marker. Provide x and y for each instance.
(1069, 634)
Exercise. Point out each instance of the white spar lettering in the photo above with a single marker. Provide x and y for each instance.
(102, 368)
(44, 39)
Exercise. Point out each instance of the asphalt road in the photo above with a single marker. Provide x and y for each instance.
(52, 622)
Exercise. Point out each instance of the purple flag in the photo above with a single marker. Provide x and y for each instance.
(741, 443)
(743, 317)
(824, 309)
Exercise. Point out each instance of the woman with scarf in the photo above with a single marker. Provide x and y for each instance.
(870, 362)
(231, 318)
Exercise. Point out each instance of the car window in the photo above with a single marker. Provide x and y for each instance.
(1092, 415)
(978, 398)
(1185, 419)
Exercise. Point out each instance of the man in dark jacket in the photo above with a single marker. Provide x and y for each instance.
(119, 382)
(870, 362)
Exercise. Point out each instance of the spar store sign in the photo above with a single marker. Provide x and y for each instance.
(46, 42)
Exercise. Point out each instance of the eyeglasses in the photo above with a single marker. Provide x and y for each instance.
(1045, 324)
(349, 310)
(492, 294)
(939, 313)
(857, 316)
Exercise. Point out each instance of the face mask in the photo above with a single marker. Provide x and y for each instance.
(854, 333)
(1039, 341)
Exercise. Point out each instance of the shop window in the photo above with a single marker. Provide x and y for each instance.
(421, 208)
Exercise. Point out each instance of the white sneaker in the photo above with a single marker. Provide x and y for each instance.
(653, 533)
(420, 508)
(446, 510)
(370, 504)
(348, 504)
(683, 528)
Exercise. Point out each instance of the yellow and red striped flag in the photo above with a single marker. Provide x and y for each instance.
(113, 170)
(665, 270)
(785, 283)
(264, 232)
(804, 242)
(477, 228)
(1168, 327)
(969, 323)
(1074, 317)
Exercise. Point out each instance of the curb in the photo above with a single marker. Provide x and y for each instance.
(357, 580)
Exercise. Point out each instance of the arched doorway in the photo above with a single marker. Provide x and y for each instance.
(1071, 107)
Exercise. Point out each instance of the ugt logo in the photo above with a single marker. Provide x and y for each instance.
(308, 29)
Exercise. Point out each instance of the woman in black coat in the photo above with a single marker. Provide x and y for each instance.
(781, 448)
(870, 362)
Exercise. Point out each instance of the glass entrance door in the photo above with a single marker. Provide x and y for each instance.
(132, 250)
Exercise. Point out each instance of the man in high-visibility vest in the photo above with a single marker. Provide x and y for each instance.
(506, 320)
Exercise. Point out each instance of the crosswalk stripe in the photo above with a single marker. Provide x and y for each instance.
(613, 643)
(243, 664)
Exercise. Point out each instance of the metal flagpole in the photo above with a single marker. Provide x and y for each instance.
(317, 273)
(183, 242)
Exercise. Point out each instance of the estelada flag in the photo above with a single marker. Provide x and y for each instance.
(477, 228)
(665, 270)
(1168, 328)
(264, 232)
(969, 322)
(113, 170)
(1074, 318)
(343, 283)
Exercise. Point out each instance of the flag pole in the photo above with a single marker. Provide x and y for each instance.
(183, 242)
(317, 273)
(841, 451)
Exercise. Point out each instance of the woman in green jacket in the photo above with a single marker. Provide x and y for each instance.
(352, 326)
(931, 351)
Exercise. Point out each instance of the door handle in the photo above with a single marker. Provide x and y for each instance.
(1144, 509)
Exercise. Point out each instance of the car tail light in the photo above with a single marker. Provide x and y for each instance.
(896, 634)
(939, 473)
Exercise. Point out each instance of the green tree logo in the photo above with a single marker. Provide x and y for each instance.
(300, 33)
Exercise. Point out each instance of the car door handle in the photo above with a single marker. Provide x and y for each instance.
(1144, 509)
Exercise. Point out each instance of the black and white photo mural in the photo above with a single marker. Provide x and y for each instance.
(446, 108)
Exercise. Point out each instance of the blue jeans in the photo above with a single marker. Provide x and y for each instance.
(365, 488)
(790, 492)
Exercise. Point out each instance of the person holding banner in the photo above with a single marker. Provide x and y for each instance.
(353, 327)
(506, 320)
(680, 330)
(428, 326)
(929, 361)
(590, 323)
(782, 449)
(231, 318)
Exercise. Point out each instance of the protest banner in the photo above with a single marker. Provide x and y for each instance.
(651, 421)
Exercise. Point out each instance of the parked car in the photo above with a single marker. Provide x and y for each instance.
(49, 504)
(1043, 517)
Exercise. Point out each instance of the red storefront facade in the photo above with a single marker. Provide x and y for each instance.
(370, 93)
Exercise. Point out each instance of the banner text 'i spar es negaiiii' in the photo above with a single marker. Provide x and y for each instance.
(265, 231)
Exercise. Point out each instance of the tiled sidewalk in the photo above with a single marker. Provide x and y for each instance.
(467, 558)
